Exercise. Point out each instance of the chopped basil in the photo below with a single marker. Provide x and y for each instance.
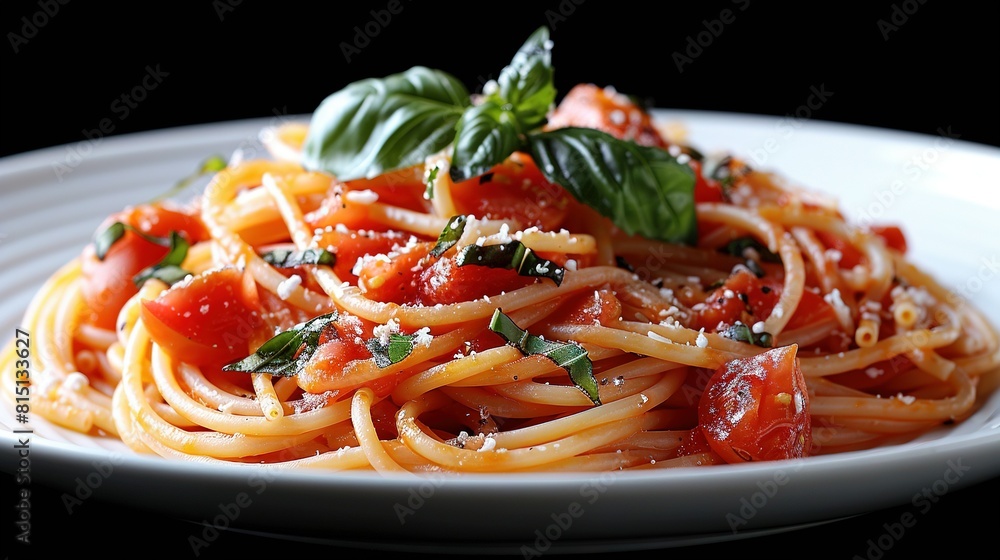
(168, 269)
(449, 235)
(514, 255)
(567, 355)
(286, 353)
(105, 239)
(394, 351)
(431, 178)
(743, 333)
(282, 258)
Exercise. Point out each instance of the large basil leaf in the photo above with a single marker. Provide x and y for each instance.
(642, 189)
(494, 129)
(377, 125)
(527, 82)
(487, 134)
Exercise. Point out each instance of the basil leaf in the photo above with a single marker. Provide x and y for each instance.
(491, 131)
(105, 239)
(514, 255)
(642, 189)
(487, 134)
(282, 258)
(286, 353)
(743, 333)
(377, 125)
(571, 357)
(169, 268)
(431, 178)
(527, 82)
(396, 350)
(449, 235)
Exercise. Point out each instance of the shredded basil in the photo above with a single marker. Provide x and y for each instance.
(743, 333)
(167, 270)
(569, 356)
(513, 255)
(431, 178)
(286, 353)
(282, 258)
(394, 351)
(105, 239)
(449, 236)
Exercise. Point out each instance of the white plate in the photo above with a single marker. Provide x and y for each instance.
(943, 191)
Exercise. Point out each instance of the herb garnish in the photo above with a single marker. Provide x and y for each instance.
(513, 255)
(449, 236)
(167, 270)
(392, 351)
(283, 258)
(377, 125)
(286, 353)
(567, 355)
(743, 333)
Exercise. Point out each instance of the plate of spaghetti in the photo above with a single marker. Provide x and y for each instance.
(431, 318)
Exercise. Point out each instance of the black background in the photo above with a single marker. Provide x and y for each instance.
(62, 75)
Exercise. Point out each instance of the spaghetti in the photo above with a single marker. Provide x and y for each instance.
(293, 318)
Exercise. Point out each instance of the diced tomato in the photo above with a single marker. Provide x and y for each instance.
(350, 245)
(850, 256)
(892, 235)
(514, 190)
(757, 408)
(394, 280)
(705, 189)
(445, 282)
(589, 106)
(332, 361)
(107, 284)
(402, 187)
(749, 299)
(212, 319)
(600, 306)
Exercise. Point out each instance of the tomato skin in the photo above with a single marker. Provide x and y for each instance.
(892, 235)
(705, 189)
(445, 282)
(757, 408)
(210, 320)
(588, 308)
(107, 283)
(590, 106)
(514, 190)
(761, 295)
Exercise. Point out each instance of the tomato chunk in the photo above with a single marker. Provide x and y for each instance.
(757, 408)
(892, 235)
(210, 320)
(107, 283)
(445, 282)
(514, 190)
(589, 106)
